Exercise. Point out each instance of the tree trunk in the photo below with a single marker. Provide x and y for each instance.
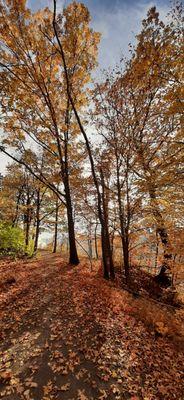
(73, 256)
(56, 227)
(27, 229)
(96, 244)
(90, 247)
(156, 251)
(27, 220)
(124, 234)
(125, 246)
(90, 251)
(37, 221)
(112, 243)
(15, 218)
(104, 254)
(105, 226)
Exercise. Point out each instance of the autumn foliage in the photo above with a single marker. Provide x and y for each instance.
(96, 169)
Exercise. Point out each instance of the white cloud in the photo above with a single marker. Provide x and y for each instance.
(119, 28)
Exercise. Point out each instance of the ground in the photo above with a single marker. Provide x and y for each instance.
(68, 334)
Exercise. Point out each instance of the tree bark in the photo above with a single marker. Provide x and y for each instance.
(124, 231)
(37, 221)
(96, 244)
(73, 256)
(126, 260)
(56, 227)
(27, 219)
(104, 254)
(15, 218)
(105, 227)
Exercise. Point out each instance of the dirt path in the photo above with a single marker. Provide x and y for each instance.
(63, 337)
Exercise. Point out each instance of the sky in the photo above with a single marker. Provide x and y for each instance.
(118, 22)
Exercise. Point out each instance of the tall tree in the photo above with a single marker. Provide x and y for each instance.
(35, 105)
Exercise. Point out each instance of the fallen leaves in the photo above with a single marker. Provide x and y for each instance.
(81, 395)
(64, 388)
(83, 343)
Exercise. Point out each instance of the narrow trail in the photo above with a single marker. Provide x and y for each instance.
(63, 339)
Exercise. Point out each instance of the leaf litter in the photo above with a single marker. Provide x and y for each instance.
(68, 334)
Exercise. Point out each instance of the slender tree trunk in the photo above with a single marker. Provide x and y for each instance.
(96, 244)
(124, 234)
(73, 256)
(90, 248)
(37, 231)
(90, 251)
(56, 226)
(104, 254)
(15, 218)
(27, 229)
(156, 251)
(106, 237)
(112, 243)
(27, 220)
(126, 260)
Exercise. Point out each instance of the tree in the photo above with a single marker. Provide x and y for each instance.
(152, 75)
(135, 109)
(111, 122)
(34, 100)
(108, 268)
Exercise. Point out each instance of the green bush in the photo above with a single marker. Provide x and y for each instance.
(12, 240)
(30, 248)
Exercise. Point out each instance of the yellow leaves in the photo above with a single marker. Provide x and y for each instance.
(114, 374)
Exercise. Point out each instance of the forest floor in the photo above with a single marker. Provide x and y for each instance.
(68, 334)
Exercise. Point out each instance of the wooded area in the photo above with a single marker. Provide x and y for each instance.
(96, 165)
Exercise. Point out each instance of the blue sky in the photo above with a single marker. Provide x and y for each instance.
(118, 21)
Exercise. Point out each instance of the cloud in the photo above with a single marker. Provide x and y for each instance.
(35, 4)
(118, 29)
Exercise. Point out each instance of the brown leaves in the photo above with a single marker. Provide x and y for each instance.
(93, 353)
(81, 395)
(64, 388)
(5, 376)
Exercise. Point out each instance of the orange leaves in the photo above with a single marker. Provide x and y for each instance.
(65, 388)
(81, 395)
(95, 354)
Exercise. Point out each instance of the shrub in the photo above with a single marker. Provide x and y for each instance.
(29, 250)
(12, 240)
